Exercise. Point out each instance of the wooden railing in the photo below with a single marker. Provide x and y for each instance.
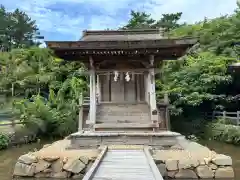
(229, 117)
(8, 123)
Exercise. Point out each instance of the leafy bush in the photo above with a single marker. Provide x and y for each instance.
(4, 140)
(224, 132)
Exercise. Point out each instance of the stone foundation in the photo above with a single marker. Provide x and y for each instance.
(53, 161)
(187, 160)
(194, 162)
(88, 139)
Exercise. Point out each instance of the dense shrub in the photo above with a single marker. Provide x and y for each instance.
(4, 140)
(224, 132)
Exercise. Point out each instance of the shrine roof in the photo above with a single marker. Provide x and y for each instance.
(122, 35)
(122, 43)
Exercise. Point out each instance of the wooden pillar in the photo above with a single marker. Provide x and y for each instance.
(98, 89)
(146, 88)
(80, 115)
(91, 97)
(94, 97)
(92, 109)
(138, 79)
(153, 103)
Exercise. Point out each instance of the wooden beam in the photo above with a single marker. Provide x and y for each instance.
(152, 164)
(96, 164)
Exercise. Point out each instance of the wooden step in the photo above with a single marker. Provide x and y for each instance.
(125, 125)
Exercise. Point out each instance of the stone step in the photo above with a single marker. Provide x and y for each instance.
(141, 121)
(125, 125)
(126, 118)
(122, 115)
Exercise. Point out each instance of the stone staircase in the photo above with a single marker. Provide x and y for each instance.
(123, 117)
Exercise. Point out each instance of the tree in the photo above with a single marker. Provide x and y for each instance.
(139, 20)
(169, 21)
(142, 20)
(17, 30)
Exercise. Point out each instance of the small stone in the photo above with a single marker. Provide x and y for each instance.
(222, 160)
(74, 165)
(207, 160)
(162, 168)
(158, 161)
(187, 163)
(46, 145)
(42, 175)
(24, 169)
(51, 158)
(213, 166)
(47, 171)
(201, 162)
(186, 173)
(84, 159)
(61, 175)
(65, 159)
(204, 172)
(27, 159)
(41, 166)
(57, 166)
(177, 147)
(78, 176)
(171, 174)
(171, 164)
(226, 172)
(88, 166)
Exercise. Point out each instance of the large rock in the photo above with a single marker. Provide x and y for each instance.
(171, 164)
(187, 163)
(224, 172)
(24, 169)
(222, 160)
(57, 166)
(84, 159)
(27, 159)
(41, 166)
(162, 168)
(186, 173)
(204, 172)
(74, 165)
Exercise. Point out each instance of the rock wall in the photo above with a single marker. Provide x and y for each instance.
(29, 165)
(194, 162)
(55, 161)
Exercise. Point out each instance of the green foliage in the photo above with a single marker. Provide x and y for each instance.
(3, 141)
(49, 89)
(218, 35)
(224, 132)
(193, 80)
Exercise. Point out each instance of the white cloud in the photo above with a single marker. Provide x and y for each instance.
(102, 14)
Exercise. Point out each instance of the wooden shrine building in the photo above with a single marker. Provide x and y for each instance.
(122, 66)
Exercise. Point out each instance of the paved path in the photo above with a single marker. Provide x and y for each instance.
(126, 164)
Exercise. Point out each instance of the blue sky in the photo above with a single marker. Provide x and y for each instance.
(65, 19)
